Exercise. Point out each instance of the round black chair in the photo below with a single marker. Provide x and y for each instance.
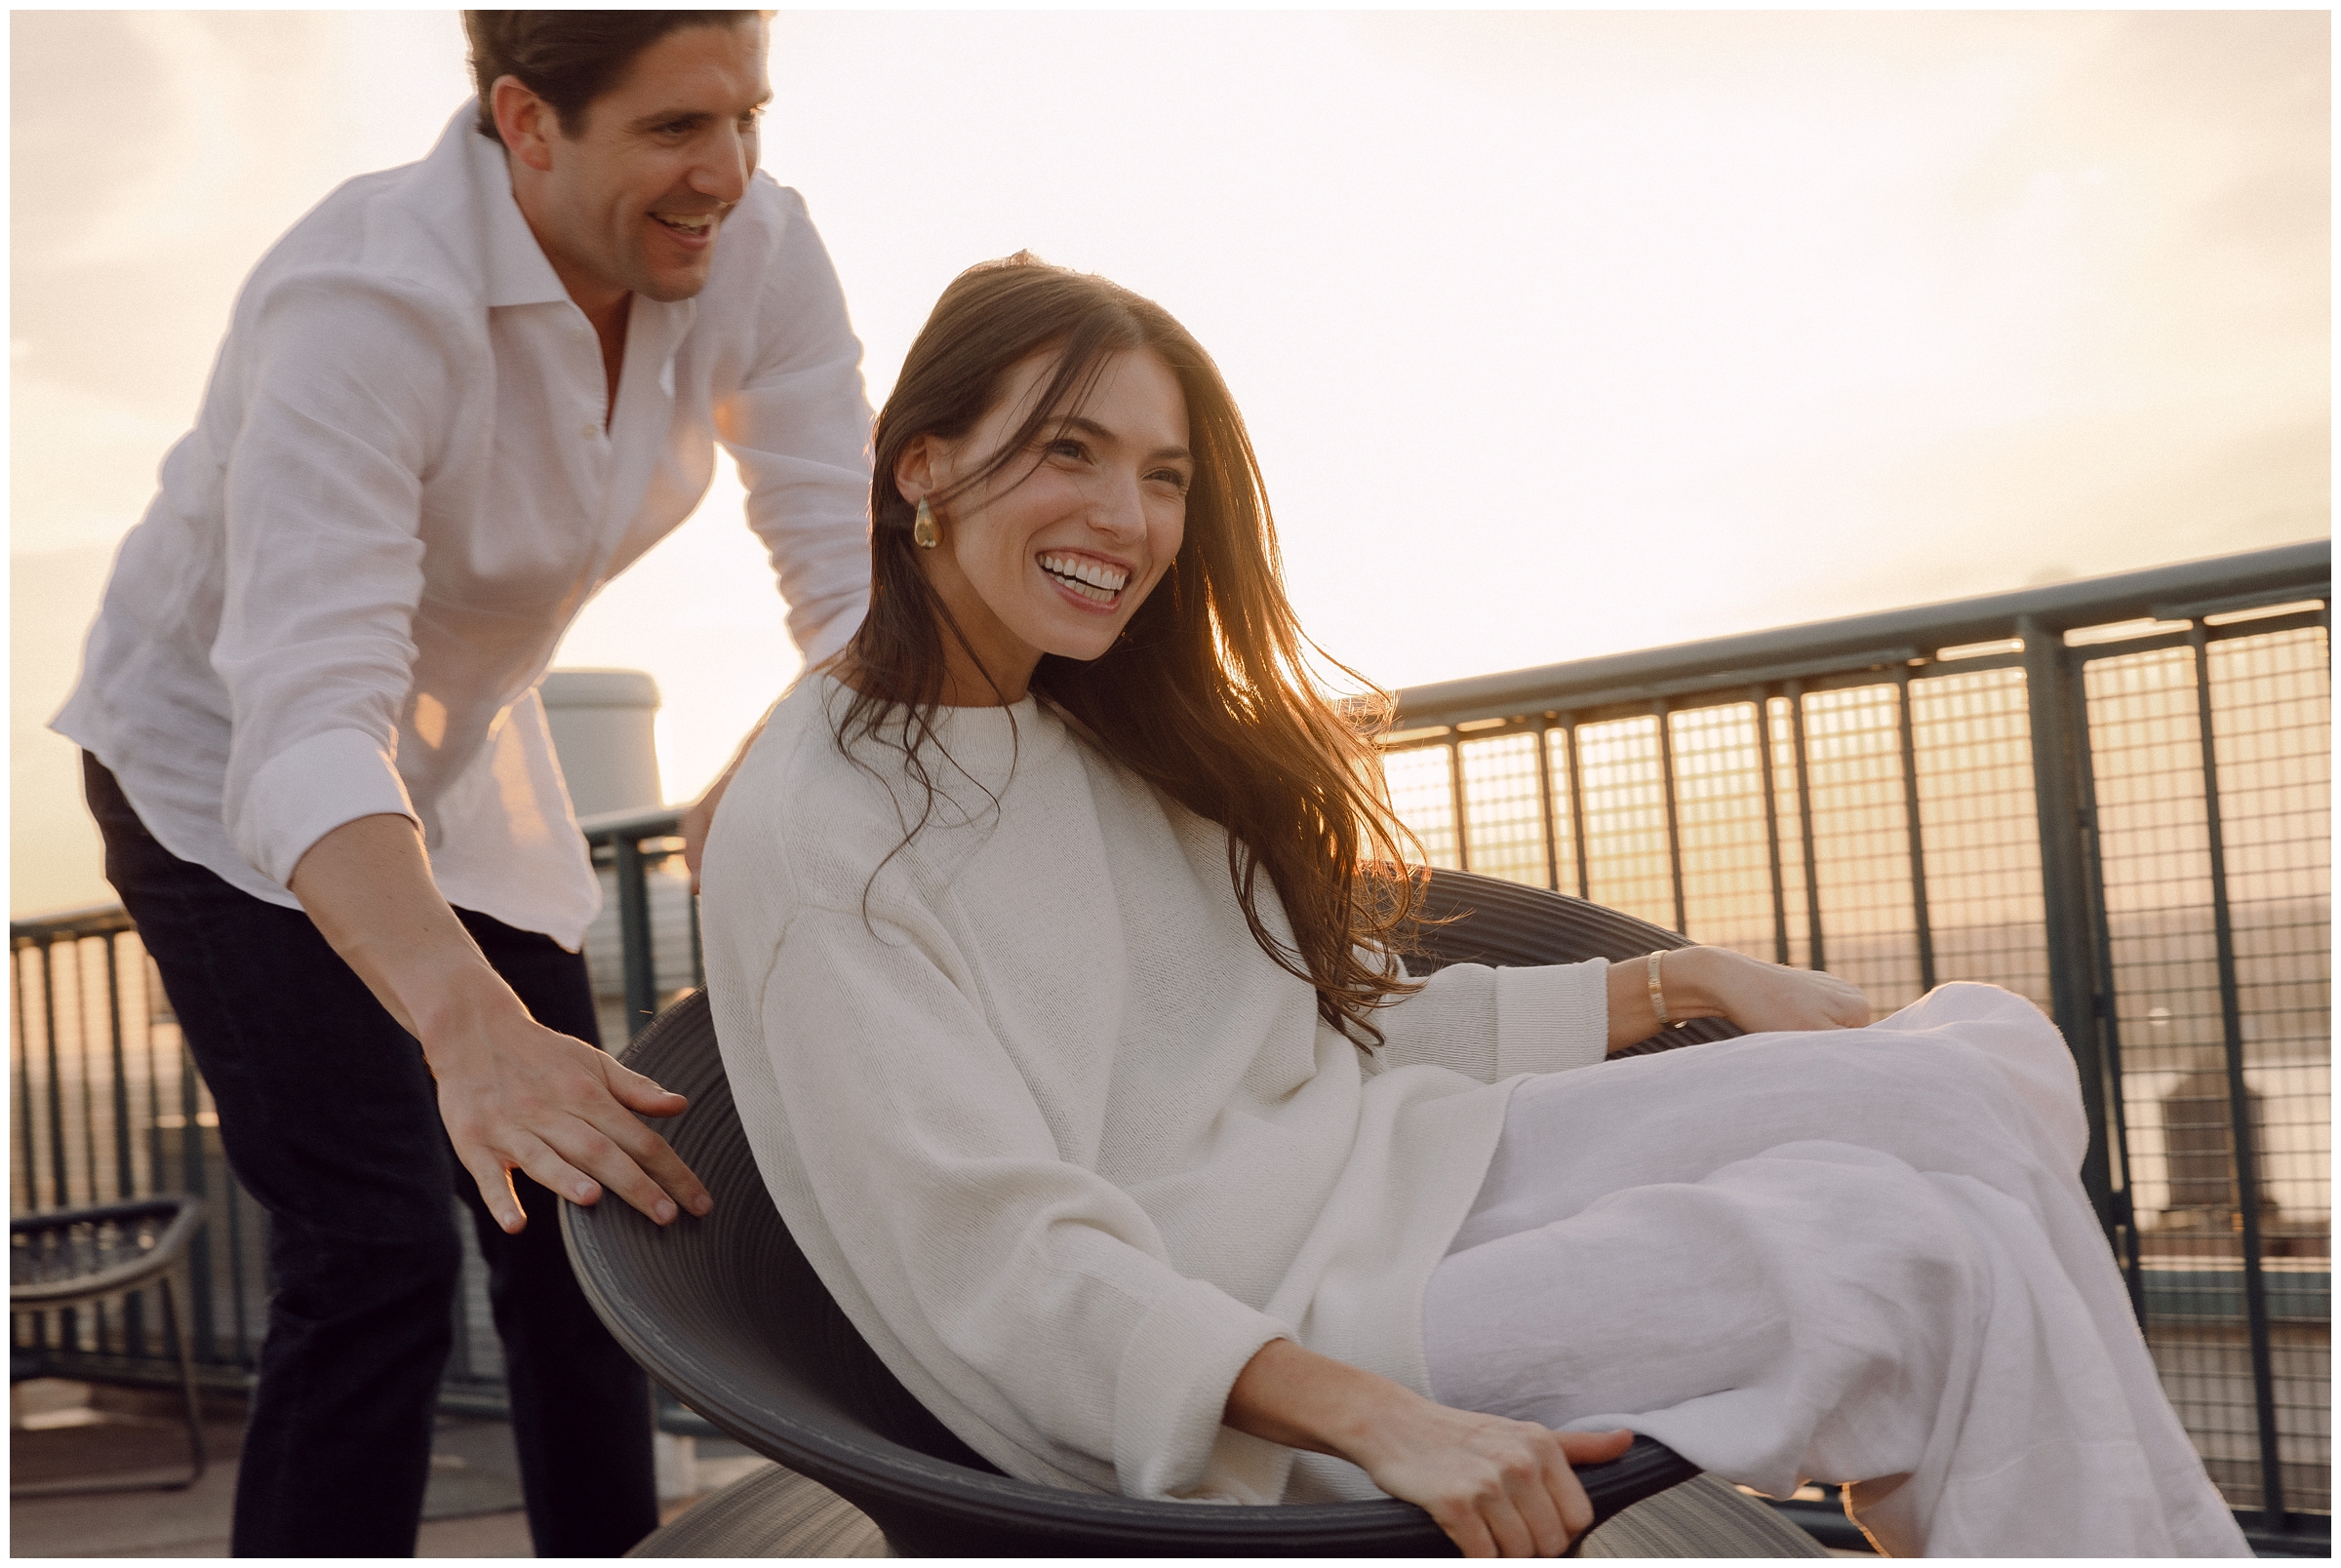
(726, 1313)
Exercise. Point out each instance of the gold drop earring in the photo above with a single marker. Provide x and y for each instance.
(922, 531)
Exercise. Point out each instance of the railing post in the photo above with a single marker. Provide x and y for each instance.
(634, 929)
(1581, 846)
(1544, 805)
(1814, 957)
(2059, 722)
(1913, 823)
(2132, 1251)
(29, 1179)
(1771, 823)
(59, 1187)
(2239, 1100)
(1457, 794)
(1674, 824)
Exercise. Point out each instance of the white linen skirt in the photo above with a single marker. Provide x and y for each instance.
(1859, 1255)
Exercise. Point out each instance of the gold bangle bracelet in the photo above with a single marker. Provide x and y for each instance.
(1658, 991)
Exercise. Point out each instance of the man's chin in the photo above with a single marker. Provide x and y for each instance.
(670, 287)
(668, 284)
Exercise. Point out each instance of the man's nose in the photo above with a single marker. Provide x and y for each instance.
(724, 170)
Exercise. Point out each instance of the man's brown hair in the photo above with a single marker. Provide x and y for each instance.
(568, 58)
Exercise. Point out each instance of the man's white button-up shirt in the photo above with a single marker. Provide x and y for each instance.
(405, 481)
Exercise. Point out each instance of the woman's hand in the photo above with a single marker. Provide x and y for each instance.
(1498, 1488)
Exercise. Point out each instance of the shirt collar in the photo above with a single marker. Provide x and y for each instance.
(517, 272)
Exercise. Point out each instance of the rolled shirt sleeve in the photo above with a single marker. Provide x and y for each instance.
(345, 387)
(1493, 1024)
(1035, 1292)
(799, 427)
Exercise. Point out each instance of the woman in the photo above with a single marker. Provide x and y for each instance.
(1056, 987)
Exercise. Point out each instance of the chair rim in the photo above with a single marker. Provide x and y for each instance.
(186, 1215)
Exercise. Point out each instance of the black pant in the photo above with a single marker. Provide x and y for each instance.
(331, 1120)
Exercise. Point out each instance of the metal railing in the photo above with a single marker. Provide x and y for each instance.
(2016, 789)
(109, 1105)
(2109, 796)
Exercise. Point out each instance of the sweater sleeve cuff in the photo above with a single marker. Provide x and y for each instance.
(1171, 1394)
(1551, 1018)
(310, 789)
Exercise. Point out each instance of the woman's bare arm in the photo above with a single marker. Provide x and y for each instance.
(1705, 982)
(1498, 1488)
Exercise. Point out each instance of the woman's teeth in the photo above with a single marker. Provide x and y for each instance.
(698, 224)
(1094, 580)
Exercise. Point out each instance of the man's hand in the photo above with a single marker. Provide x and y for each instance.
(1498, 1488)
(1705, 982)
(514, 1094)
(517, 1096)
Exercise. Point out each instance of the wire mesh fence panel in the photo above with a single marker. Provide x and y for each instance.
(1719, 815)
(1861, 841)
(1623, 782)
(2270, 723)
(1971, 732)
(1503, 808)
(1422, 793)
(2184, 1098)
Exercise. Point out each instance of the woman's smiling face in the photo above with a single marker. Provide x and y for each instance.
(1055, 550)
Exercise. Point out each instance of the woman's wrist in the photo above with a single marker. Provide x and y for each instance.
(1685, 979)
(1688, 975)
(1296, 1397)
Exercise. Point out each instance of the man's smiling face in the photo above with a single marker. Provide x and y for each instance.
(634, 201)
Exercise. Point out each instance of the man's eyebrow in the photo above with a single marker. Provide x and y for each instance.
(1092, 427)
(694, 118)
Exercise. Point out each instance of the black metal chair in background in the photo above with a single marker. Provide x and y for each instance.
(726, 1313)
(76, 1257)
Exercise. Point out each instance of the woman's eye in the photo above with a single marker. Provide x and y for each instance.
(1171, 477)
(1067, 447)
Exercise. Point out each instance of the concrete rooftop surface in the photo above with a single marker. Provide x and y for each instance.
(67, 1433)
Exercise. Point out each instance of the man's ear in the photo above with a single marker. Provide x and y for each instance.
(918, 471)
(524, 121)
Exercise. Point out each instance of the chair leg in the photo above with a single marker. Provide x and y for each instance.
(198, 1456)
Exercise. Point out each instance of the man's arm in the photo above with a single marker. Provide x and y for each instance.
(799, 427)
(513, 1093)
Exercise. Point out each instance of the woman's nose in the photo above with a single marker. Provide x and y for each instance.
(1122, 511)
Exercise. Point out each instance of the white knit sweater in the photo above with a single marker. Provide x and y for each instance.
(1064, 1144)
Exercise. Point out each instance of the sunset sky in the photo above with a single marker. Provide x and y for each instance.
(1559, 334)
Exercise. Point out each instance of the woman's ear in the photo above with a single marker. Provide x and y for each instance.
(918, 471)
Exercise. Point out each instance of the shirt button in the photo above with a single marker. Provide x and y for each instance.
(590, 431)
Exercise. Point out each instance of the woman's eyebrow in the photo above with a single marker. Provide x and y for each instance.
(1075, 421)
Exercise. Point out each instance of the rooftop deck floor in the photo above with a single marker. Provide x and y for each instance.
(471, 1509)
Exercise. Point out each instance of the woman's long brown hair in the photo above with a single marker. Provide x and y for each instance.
(1208, 694)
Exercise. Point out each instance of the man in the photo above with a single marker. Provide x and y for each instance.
(453, 401)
